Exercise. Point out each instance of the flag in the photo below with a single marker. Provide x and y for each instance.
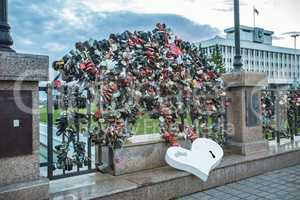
(255, 11)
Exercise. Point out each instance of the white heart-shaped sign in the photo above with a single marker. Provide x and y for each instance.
(205, 155)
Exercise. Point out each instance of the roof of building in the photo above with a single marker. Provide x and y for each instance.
(248, 28)
(247, 44)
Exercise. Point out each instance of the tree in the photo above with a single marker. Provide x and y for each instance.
(217, 60)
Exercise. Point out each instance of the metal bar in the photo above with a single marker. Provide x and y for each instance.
(77, 134)
(277, 113)
(297, 121)
(73, 174)
(50, 131)
(293, 131)
(98, 153)
(43, 88)
(111, 158)
(281, 90)
(237, 64)
(294, 121)
(89, 143)
(44, 164)
(63, 141)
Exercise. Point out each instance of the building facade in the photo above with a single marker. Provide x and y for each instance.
(282, 65)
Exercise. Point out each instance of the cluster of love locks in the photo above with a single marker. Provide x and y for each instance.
(289, 105)
(141, 73)
(268, 111)
(293, 108)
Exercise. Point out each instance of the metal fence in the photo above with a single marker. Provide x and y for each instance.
(52, 141)
(212, 126)
(281, 113)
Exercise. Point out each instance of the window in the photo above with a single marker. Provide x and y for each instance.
(229, 50)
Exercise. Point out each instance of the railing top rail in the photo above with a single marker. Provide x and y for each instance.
(280, 90)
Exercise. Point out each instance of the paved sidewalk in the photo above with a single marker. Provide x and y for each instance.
(282, 184)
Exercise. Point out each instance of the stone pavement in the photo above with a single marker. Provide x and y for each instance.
(282, 184)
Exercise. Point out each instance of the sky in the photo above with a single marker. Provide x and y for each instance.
(51, 27)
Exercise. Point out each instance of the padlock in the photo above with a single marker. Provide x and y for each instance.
(159, 71)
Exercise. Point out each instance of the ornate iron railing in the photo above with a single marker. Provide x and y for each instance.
(57, 146)
(281, 113)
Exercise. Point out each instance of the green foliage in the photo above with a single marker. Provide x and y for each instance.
(217, 60)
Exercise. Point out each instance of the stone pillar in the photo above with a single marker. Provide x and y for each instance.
(19, 126)
(244, 113)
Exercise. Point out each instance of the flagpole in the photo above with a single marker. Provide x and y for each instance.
(253, 17)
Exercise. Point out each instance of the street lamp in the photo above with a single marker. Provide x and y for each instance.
(294, 35)
(237, 63)
(5, 38)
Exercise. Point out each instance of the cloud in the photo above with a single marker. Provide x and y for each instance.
(230, 2)
(55, 47)
(227, 5)
(52, 27)
(277, 37)
(183, 27)
(27, 41)
(230, 9)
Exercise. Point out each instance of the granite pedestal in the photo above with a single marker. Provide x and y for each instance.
(244, 113)
(19, 119)
(141, 152)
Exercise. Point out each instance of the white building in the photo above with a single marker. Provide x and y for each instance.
(282, 65)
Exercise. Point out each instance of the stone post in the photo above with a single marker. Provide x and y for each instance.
(19, 121)
(244, 113)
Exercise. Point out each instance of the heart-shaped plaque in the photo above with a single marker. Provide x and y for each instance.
(205, 155)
